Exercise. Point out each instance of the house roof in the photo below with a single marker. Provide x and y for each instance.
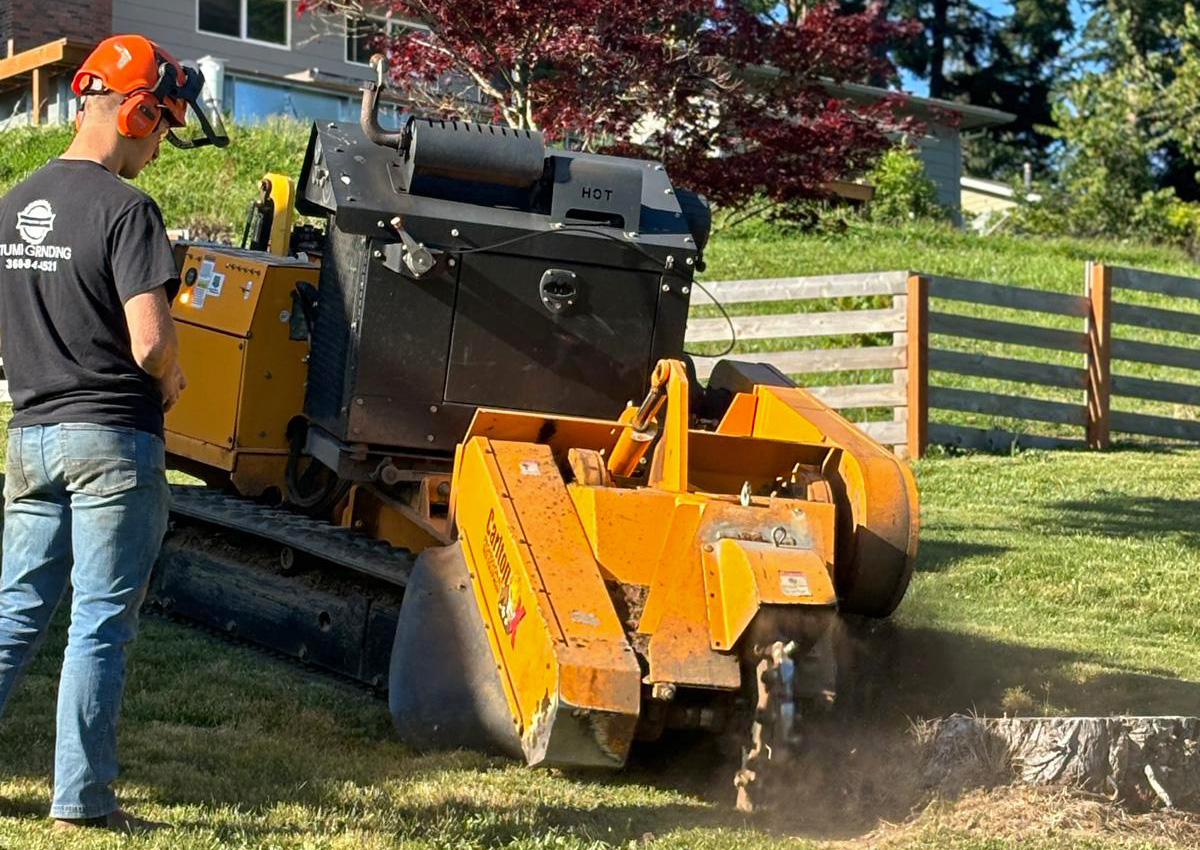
(931, 109)
(312, 78)
(970, 117)
(993, 189)
(987, 187)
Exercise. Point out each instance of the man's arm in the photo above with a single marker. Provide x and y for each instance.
(153, 341)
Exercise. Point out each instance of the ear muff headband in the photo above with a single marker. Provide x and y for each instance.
(142, 109)
(139, 114)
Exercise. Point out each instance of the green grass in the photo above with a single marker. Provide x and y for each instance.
(206, 190)
(1047, 582)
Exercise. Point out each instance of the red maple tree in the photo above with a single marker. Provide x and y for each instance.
(735, 103)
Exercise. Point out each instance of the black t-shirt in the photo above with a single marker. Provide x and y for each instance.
(76, 243)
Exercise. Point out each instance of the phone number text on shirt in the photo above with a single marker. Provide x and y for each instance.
(20, 264)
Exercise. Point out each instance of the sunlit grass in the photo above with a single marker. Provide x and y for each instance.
(1070, 578)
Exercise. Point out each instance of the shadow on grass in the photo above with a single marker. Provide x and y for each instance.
(935, 556)
(1118, 515)
(922, 672)
(1149, 447)
(893, 673)
(462, 823)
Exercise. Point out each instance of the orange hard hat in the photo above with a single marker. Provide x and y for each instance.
(154, 85)
(130, 64)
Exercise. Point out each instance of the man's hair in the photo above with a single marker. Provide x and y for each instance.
(101, 104)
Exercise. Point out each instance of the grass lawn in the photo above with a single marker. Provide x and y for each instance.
(1059, 582)
(1047, 583)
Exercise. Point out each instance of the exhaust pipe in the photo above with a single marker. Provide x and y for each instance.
(368, 117)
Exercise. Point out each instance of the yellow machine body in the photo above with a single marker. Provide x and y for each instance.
(244, 352)
(624, 572)
(613, 563)
(730, 526)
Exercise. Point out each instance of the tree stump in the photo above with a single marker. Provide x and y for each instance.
(1143, 761)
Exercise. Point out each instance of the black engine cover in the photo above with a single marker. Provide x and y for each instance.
(526, 306)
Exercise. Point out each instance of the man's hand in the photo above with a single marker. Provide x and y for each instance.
(171, 385)
(154, 344)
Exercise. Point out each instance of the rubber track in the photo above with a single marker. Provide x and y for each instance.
(340, 546)
(297, 665)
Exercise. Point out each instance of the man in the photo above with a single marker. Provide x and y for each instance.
(90, 350)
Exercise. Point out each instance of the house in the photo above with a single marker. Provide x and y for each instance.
(262, 60)
(987, 204)
(940, 148)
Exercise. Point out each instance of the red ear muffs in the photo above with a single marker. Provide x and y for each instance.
(139, 115)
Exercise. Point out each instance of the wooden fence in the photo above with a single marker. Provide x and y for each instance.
(915, 394)
(907, 322)
(1108, 317)
(780, 327)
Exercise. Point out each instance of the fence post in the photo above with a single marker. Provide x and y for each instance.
(917, 358)
(1098, 288)
(900, 377)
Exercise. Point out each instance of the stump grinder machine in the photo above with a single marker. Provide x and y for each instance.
(453, 449)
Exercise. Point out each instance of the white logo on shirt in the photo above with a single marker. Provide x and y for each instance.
(35, 222)
(126, 56)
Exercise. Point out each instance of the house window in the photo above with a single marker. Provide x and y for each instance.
(363, 36)
(252, 101)
(265, 21)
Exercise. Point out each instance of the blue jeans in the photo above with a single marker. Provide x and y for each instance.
(86, 503)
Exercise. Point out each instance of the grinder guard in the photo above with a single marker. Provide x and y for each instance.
(444, 691)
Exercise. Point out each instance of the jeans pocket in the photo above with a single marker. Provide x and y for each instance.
(98, 460)
(15, 482)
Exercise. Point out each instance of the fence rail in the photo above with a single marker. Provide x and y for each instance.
(1007, 369)
(1110, 282)
(912, 321)
(803, 288)
(783, 323)
(1155, 282)
(1001, 295)
(797, 325)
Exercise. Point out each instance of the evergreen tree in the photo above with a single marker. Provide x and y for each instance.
(1011, 62)
(954, 35)
(1024, 62)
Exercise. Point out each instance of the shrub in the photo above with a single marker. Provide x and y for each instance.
(1156, 215)
(903, 192)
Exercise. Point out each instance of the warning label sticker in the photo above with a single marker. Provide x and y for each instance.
(794, 584)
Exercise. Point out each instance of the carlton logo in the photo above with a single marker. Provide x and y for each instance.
(35, 222)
